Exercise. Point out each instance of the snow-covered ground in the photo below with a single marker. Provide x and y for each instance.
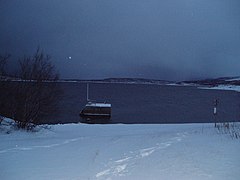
(233, 79)
(224, 87)
(109, 152)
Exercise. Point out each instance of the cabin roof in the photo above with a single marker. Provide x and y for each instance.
(98, 105)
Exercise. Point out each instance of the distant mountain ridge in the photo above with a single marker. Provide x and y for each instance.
(216, 81)
(124, 80)
(203, 82)
(136, 80)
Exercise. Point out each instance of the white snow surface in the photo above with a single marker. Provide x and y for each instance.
(233, 79)
(109, 152)
(224, 87)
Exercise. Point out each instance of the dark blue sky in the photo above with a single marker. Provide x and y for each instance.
(161, 39)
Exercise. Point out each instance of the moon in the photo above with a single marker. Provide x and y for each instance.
(69, 57)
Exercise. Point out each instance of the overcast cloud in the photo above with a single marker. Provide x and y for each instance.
(161, 39)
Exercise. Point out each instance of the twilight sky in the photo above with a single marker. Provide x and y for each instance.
(160, 39)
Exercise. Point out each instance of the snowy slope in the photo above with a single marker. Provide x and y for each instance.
(224, 87)
(105, 152)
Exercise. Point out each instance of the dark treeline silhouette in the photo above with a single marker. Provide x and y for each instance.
(34, 92)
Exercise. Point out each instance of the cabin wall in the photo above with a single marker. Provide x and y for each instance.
(96, 110)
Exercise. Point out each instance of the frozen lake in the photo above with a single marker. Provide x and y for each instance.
(132, 103)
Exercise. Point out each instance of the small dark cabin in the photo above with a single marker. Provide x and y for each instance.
(96, 109)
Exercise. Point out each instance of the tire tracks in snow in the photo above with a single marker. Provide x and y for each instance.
(123, 165)
(28, 148)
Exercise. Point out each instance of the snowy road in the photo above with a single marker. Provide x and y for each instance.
(109, 152)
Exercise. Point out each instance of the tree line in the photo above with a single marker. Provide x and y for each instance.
(32, 92)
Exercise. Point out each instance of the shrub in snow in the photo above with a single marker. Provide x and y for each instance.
(3, 62)
(231, 128)
(33, 97)
(6, 125)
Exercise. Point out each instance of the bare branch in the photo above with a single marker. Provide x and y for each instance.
(3, 62)
(35, 97)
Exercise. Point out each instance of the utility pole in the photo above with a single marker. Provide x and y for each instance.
(215, 111)
(87, 92)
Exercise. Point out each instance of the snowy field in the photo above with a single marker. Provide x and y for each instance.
(109, 152)
(224, 87)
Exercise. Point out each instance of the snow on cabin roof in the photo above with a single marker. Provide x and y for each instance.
(98, 104)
